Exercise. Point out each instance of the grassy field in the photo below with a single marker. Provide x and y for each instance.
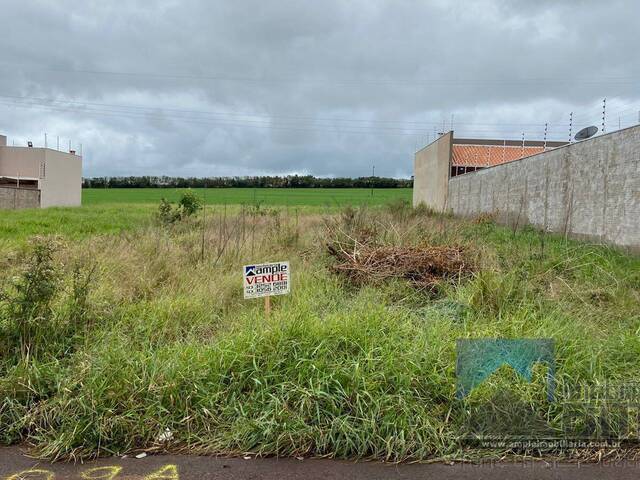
(17, 226)
(267, 196)
(111, 211)
(109, 337)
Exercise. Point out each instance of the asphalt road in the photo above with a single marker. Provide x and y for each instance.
(14, 465)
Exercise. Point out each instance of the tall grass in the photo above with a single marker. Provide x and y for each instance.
(165, 339)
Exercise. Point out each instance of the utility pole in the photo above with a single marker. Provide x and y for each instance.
(373, 174)
(204, 219)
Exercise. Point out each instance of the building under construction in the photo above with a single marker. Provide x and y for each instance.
(469, 155)
(38, 177)
(449, 157)
(586, 189)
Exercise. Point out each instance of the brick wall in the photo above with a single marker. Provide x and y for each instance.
(14, 198)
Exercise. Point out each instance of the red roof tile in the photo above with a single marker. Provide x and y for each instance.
(489, 155)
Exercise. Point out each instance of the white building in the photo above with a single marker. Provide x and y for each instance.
(39, 177)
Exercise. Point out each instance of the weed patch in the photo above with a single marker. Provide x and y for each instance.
(112, 339)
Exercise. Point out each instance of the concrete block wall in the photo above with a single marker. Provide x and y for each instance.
(589, 190)
(15, 198)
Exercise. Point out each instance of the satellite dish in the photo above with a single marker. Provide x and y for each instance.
(586, 132)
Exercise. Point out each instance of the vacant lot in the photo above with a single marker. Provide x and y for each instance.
(321, 197)
(111, 339)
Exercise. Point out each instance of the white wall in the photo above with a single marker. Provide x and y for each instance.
(21, 161)
(62, 182)
(431, 173)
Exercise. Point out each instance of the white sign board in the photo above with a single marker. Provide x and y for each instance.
(266, 279)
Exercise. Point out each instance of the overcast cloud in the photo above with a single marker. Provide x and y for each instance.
(329, 88)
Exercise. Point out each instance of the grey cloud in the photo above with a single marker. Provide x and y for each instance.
(327, 88)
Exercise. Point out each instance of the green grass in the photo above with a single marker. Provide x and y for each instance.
(268, 196)
(163, 338)
(16, 226)
(111, 211)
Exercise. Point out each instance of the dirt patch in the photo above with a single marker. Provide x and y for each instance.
(424, 267)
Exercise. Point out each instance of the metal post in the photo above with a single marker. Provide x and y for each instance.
(570, 127)
(45, 140)
(604, 109)
(521, 156)
(546, 128)
(58, 142)
(373, 174)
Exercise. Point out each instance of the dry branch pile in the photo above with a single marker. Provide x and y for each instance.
(424, 267)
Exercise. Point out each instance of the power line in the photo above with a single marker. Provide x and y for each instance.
(262, 121)
(263, 124)
(257, 117)
(46, 101)
(603, 80)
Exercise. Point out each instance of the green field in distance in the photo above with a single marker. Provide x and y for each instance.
(265, 196)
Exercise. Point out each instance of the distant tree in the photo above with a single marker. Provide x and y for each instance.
(290, 181)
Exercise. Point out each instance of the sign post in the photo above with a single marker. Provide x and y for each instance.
(265, 280)
(267, 306)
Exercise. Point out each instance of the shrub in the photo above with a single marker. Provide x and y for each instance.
(188, 205)
(26, 303)
(166, 213)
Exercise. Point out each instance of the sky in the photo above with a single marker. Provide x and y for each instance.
(327, 88)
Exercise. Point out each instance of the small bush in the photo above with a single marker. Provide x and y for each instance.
(26, 303)
(188, 205)
(42, 310)
(166, 214)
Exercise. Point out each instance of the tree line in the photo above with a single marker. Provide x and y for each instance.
(290, 181)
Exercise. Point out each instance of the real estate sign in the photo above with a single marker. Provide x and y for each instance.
(266, 279)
